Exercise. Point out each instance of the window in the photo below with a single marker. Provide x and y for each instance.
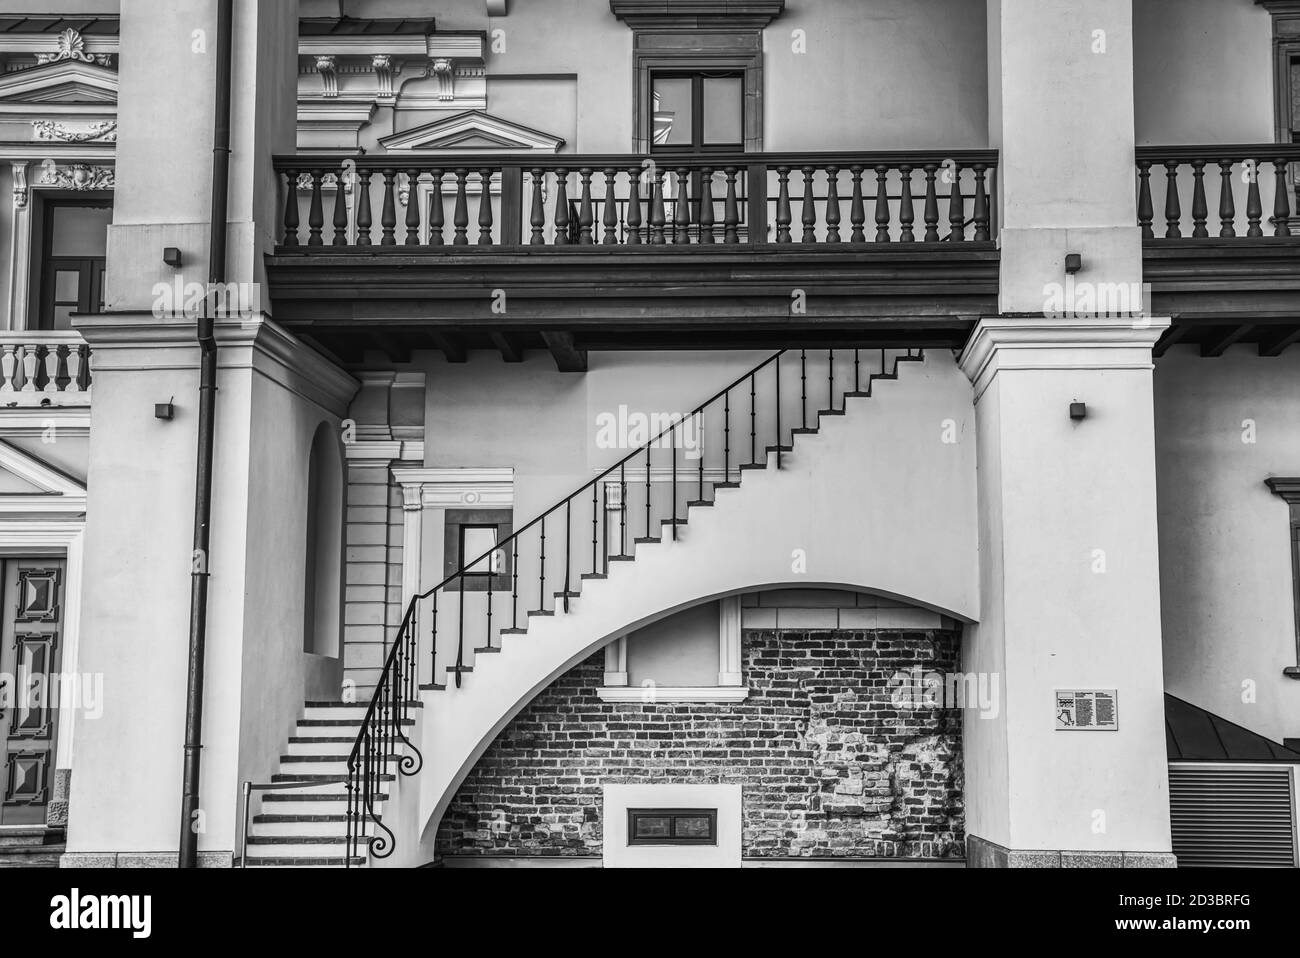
(1286, 51)
(1289, 490)
(75, 240)
(697, 111)
(672, 826)
(323, 565)
(470, 535)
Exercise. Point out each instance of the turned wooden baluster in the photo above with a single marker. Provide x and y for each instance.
(882, 204)
(460, 216)
(981, 215)
(1146, 213)
(731, 209)
(857, 207)
(364, 217)
(832, 204)
(412, 208)
(956, 208)
(657, 217)
(1200, 211)
(537, 219)
(906, 206)
(633, 236)
(706, 205)
(783, 215)
(291, 209)
(809, 211)
(931, 204)
(316, 214)
(1254, 206)
(437, 216)
(485, 208)
(388, 215)
(52, 369)
(1281, 202)
(585, 217)
(562, 207)
(1173, 208)
(610, 214)
(1227, 202)
(682, 207)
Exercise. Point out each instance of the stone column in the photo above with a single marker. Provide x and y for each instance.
(1069, 579)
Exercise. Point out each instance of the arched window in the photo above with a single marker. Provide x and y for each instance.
(322, 616)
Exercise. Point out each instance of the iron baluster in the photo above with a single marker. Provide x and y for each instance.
(753, 423)
(541, 575)
(568, 562)
(460, 634)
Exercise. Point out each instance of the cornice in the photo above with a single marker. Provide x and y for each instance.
(1288, 488)
(692, 15)
(1007, 343)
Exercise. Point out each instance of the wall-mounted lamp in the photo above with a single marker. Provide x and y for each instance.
(1078, 411)
(172, 257)
(165, 411)
(1073, 263)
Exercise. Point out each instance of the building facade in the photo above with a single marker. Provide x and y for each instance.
(651, 432)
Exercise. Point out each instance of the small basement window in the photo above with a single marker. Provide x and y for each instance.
(672, 826)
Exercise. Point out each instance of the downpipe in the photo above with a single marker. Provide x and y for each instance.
(200, 559)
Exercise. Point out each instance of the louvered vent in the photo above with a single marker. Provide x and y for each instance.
(1237, 817)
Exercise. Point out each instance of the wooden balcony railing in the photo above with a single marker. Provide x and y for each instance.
(1251, 179)
(455, 204)
(44, 368)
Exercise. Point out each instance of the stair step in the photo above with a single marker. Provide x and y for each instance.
(621, 558)
(312, 804)
(291, 840)
(307, 745)
(772, 449)
(830, 412)
(278, 818)
(455, 669)
(858, 395)
(593, 576)
(699, 504)
(542, 612)
(320, 778)
(433, 687)
(333, 791)
(514, 631)
(647, 540)
(487, 650)
(752, 465)
(803, 431)
(303, 828)
(302, 862)
(726, 485)
(673, 522)
(570, 595)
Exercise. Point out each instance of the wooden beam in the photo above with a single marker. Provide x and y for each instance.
(1172, 337)
(511, 350)
(568, 358)
(1217, 347)
(452, 346)
(392, 347)
(1275, 344)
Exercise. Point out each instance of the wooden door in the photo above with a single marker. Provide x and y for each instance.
(32, 607)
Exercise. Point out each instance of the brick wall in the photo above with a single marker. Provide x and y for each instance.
(830, 768)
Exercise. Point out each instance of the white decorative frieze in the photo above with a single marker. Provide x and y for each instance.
(78, 176)
(68, 46)
(104, 131)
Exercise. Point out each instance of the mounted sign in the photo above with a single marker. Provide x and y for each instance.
(1087, 710)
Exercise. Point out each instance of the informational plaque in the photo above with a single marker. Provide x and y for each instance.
(1087, 710)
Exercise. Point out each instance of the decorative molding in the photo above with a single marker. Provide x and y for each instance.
(59, 493)
(70, 82)
(71, 46)
(461, 488)
(1038, 343)
(616, 663)
(104, 131)
(384, 451)
(441, 69)
(1286, 487)
(730, 644)
(383, 66)
(665, 695)
(472, 131)
(20, 185)
(79, 176)
(326, 67)
(690, 16)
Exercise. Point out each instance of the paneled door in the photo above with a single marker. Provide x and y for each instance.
(32, 605)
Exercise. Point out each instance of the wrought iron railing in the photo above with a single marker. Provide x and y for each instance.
(747, 425)
(455, 203)
(1251, 178)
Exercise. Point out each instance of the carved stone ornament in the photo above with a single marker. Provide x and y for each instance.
(104, 131)
(78, 176)
(70, 45)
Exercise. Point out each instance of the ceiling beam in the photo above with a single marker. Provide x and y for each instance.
(568, 358)
(392, 347)
(1275, 344)
(1217, 347)
(511, 349)
(452, 346)
(1172, 337)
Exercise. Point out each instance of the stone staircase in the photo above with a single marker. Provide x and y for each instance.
(307, 826)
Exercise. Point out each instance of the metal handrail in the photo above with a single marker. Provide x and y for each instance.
(249, 789)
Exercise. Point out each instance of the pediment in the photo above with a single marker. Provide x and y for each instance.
(472, 132)
(64, 81)
(29, 484)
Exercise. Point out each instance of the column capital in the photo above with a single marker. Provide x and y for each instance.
(1001, 343)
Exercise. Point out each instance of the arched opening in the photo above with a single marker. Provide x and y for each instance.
(323, 593)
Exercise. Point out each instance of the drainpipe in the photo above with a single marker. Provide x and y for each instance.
(201, 559)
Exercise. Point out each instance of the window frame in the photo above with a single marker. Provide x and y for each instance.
(747, 66)
(1288, 489)
(90, 268)
(454, 522)
(672, 814)
(697, 144)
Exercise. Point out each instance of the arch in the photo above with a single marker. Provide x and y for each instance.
(323, 549)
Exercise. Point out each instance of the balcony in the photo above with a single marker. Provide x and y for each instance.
(41, 368)
(581, 252)
(1221, 244)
